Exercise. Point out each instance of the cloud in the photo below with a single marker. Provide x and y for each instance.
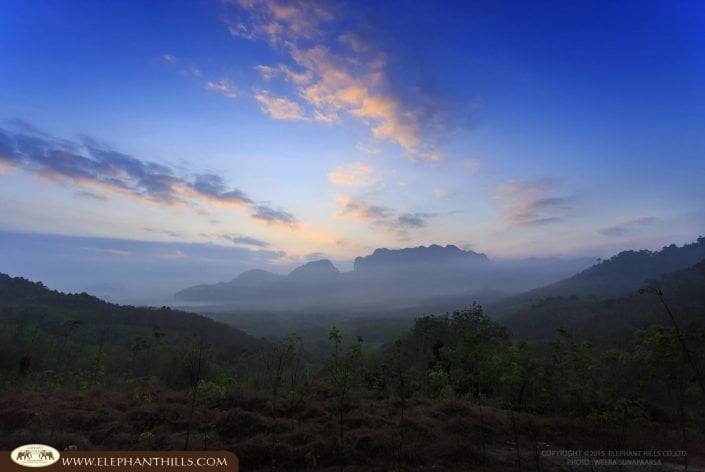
(280, 21)
(627, 226)
(223, 87)
(412, 220)
(8, 152)
(538, 186)
(93, 165)
(532, 203)
(315, 256)
(269, 73)
(537, 212)
(353, 175)
(336, 76)
(183, 68)
(362, 209)
(271, 216)
(247, 240)
(90, 196)
(382, 217)
(280, 108)
(440, 192)
(171, 234)
(212, 188)
(369, 150)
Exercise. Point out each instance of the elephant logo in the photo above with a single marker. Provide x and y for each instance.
(24, 455)
(34, 455)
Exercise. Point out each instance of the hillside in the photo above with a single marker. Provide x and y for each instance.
(68, 334)
(614, 277)
(615, 320)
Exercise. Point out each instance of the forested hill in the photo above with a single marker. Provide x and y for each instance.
(616, 320)
(614, 277)
(35, 318)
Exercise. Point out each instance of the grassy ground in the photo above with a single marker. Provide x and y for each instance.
(304, 435)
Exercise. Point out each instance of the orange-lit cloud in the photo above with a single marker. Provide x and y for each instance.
(354, 175)
(280, 108)
(280, 21)
(333, 83)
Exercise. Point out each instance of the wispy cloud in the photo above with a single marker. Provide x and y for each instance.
(441, 192)
(381, 217)
(166, 232)
(537, 212)
(369, 150)
(528, 187)
(315, 256)
(280, 21)
(532, 203)
(362, 209)
(90, 196)
(336, 76)
(247, 240)
(181, 66)
(93, 165)
(224, 87)
(353, 175)
(628, 226)
(280, 108)
(272, 216)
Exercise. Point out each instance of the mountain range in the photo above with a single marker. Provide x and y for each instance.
(387, 278)
(437, 278)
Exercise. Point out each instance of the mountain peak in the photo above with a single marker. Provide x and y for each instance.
(320, 270)
(433, 254)
(256, 276)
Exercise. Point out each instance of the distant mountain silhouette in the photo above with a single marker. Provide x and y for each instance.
(256, 277)
(434, 255)
(323, 272)
(248, 285)
(433, 277)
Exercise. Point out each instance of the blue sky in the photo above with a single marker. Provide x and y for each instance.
(279, 131)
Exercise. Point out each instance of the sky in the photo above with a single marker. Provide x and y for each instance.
(178, 142)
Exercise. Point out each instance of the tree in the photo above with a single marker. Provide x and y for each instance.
(340, 368)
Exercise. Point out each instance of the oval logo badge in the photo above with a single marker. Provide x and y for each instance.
(34, 455)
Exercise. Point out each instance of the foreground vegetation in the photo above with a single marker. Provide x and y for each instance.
(434, 434)
(454, 392)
